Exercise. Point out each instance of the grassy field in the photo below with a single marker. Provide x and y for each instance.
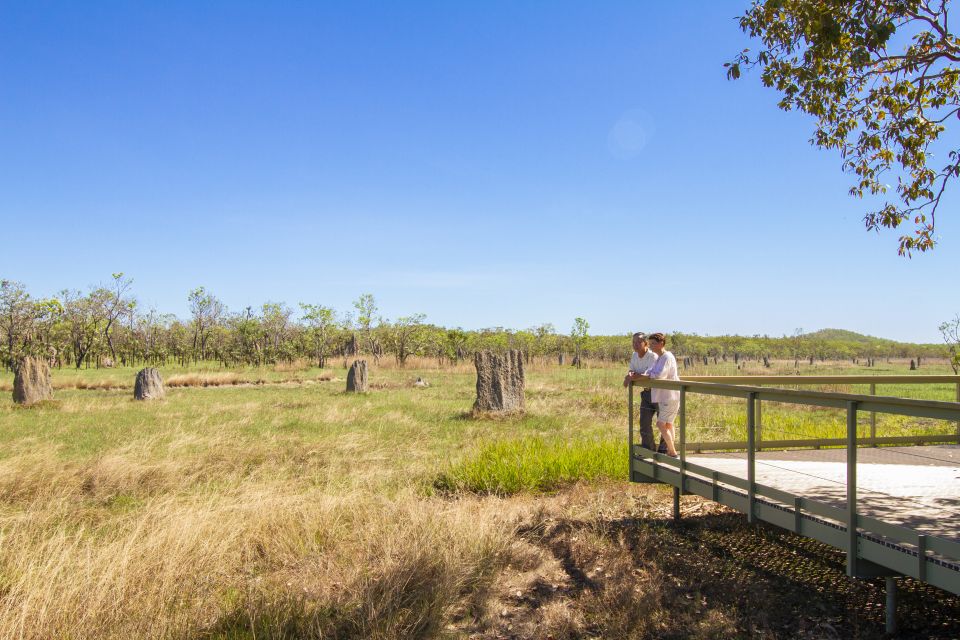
(268, 503)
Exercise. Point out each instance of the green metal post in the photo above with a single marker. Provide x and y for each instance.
(751, 454)
(852, 488)
(676, 503)
(891, 612)
(922, 557)
(630, 429)
(873, 415)
(758, 438)
(958, 421)
(683, 437)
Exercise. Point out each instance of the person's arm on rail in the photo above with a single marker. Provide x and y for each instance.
(654, 372)
(637, 369)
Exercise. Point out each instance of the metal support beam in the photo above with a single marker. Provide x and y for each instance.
(630, 424)
(873, 415)
(676, 504)
(852, 489)
(751, 455)
(682, 422)
(891, 626)
(922, 557)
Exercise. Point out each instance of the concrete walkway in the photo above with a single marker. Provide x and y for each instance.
(917, 487)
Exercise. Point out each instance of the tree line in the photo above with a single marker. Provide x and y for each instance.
(107, 327)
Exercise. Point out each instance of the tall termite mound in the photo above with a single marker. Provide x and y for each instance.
(499, 382)
(31, 381)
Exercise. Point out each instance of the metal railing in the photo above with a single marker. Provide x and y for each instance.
(760, 442)
(873, 547)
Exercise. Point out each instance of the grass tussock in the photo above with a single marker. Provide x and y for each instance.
(188, 379)
(293, 366)
(223, 379)
(94, 385)
(104, 384)
(535, 464)
(258, 562)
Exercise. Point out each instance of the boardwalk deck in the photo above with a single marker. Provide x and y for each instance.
(916, 487)
(896, 512)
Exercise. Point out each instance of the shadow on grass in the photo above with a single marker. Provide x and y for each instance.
(769, 582)
(479, 416)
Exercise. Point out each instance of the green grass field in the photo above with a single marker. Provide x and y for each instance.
(271, 503)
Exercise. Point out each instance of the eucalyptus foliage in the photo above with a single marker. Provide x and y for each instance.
(106, 327)
(881, 79)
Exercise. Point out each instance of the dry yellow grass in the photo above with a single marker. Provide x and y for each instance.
(112, 382)
(300, 511)
(223, 379)
(122, 548)
(89, 385)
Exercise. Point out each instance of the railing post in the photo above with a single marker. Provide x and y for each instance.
(630, 429)
(922, 557)
(873, 415)
(852, 488)
(683, 437)
(758, 438)
(958, 421)
(678, 491)
(751, 454)
(891, 617)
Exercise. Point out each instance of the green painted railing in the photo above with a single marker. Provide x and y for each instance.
(872, 381)
(873, 547)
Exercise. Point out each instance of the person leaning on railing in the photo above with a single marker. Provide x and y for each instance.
(667, 400)
(640, 362)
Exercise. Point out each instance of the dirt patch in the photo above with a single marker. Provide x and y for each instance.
(627, 570)
(385, 384)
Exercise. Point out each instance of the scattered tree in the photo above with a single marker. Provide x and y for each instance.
(951, 335)
(579, 336)
(321, 322)
(275, 324)
(206, 310)
(84, 323)
(15, 319)
(546, 339)
(114, 303)
(366, 308)
(405, 336)
(456, 344)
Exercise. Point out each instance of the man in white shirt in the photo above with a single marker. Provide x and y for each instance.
(640, 362)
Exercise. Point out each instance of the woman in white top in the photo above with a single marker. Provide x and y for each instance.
(668, 400)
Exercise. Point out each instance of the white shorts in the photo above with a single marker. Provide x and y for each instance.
(667, 410)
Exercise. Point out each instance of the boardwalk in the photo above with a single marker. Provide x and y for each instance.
(917, 487)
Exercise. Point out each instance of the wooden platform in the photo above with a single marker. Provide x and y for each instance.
(917, 487)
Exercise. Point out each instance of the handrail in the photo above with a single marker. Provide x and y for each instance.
(881, 404)
(805, 380)
(871, 380)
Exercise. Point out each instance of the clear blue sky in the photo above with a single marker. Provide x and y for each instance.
(485, 163)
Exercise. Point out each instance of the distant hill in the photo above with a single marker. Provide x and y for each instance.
(843, 335)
